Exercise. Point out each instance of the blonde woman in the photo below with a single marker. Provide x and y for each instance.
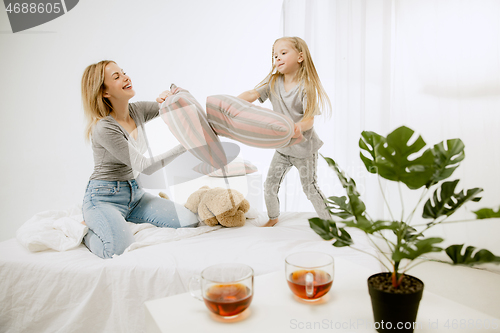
(115, 128)
(294, 89)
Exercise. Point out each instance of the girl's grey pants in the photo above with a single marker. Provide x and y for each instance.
(280, 165)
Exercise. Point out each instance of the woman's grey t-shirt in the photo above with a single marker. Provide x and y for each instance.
(292, 104)
(118, 156)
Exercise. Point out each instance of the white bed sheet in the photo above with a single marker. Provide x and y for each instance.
(75, 291)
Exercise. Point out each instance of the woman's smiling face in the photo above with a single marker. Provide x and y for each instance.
(117, 84)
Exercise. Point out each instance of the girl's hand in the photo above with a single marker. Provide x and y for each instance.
(302, 126)
(250, 95)
(297, 131)
(163, 96)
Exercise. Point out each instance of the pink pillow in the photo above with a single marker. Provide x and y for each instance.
(235, 168)
(250, 124)
(187, 121)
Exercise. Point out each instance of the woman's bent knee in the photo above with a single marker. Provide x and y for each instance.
(107, 248)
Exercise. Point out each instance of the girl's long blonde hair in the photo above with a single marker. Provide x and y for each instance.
(307, 76)
(95, 105)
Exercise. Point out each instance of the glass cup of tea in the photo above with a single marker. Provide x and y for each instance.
(226, 289)
(309, 274)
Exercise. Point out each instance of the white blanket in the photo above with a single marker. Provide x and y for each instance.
(62, 230)
(147, 234)
(76, 291)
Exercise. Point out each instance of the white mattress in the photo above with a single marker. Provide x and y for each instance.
(75, 291)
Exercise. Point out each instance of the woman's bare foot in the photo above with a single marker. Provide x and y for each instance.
(271, 223)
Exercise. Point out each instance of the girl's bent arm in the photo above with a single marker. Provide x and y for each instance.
(250, 95)
(306, 124)
(302, 126)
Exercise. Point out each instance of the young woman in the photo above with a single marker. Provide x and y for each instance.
(294, 89)
(116, 130)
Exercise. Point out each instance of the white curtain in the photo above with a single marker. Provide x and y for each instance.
(431, 65)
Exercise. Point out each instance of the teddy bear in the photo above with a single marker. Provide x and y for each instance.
(218, 205)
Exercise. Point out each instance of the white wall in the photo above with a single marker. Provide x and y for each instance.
(208, 47)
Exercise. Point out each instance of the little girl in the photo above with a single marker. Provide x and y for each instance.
(294, 89)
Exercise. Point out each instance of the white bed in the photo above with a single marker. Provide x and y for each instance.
(75, 291)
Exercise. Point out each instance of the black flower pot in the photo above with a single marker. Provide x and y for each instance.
(395, 312)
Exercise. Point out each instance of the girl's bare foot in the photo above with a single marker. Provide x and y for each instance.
(271, 223)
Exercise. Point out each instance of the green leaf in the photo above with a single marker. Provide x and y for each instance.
(444, 201)
(343, 238)
(369, 142)
(355, 206)
(468, 259)
(407, 234)
(361, 223)
(393, 159)
(410, 233)
(322, 228)
(487, 213)
(369, 227)
(348, 183)
(328, 230)
(339, 206)
(414, 250)
(385, 225)
(446, 159)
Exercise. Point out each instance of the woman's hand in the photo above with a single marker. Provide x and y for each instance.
(163, 96)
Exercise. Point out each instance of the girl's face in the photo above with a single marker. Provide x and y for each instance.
(118, 85)
(286, 59)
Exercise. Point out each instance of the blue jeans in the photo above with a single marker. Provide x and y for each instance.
(107, 206)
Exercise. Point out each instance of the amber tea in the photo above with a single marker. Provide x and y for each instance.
(322, 282)
(228, 299)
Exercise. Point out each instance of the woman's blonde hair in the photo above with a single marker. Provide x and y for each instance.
(307, 76)
(95, 105)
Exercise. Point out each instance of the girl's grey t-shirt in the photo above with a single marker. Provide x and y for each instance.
(118, 156)
(292, 104)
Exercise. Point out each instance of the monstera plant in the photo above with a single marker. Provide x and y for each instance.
(407, 162)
